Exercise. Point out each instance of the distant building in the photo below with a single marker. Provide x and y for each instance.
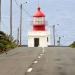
(38, 36)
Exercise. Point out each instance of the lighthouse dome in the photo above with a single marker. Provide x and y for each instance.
(38, 13)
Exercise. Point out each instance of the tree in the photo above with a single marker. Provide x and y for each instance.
(6, 42)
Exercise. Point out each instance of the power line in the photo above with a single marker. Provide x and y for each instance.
(20, 27)
(20, 4)
(27, 12)
(23, 8)
(17, 3)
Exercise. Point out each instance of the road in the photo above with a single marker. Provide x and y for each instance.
(55, 61)
(16, 61)
(38, 61)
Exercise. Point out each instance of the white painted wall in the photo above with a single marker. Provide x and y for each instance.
(43, 41)
(30, 42)
(42, 35)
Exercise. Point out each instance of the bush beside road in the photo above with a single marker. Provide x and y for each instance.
(6, 43)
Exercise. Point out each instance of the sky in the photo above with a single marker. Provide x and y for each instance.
(60, 12)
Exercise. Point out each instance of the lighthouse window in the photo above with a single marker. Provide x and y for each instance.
(38, 20)
(34, 20)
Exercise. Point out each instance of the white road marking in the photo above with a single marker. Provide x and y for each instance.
(30, 69)
(39, 57)
(41, 54)
(35, 62)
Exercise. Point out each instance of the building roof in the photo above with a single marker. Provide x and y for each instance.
(38, 13)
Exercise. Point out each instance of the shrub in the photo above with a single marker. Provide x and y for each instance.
(6, 42)
(73, 44)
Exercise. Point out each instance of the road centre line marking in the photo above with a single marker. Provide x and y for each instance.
(41, 54)
(35, 62)
(30, 69)
(39, 57)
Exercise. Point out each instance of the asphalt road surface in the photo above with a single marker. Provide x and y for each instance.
(16, 61)
(38, 61)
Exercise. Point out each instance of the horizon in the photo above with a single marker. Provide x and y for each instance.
(56, 11)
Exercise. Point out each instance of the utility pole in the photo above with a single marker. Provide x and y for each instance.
(10, 18)
(0, 15)
(59, 40)
(17, 36)
(21, 25)
(54, 34)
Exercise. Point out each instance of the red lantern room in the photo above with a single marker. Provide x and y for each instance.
(39, 20)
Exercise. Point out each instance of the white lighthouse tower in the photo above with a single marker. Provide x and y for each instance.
(38, 36)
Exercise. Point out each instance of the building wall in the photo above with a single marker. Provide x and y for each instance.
(43, 42)
(30, 42)
(42, 39)
(42, 35)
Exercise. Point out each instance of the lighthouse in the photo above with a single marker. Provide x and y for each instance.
(38, 36)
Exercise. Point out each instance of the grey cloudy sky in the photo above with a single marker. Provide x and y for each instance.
(60, 12)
